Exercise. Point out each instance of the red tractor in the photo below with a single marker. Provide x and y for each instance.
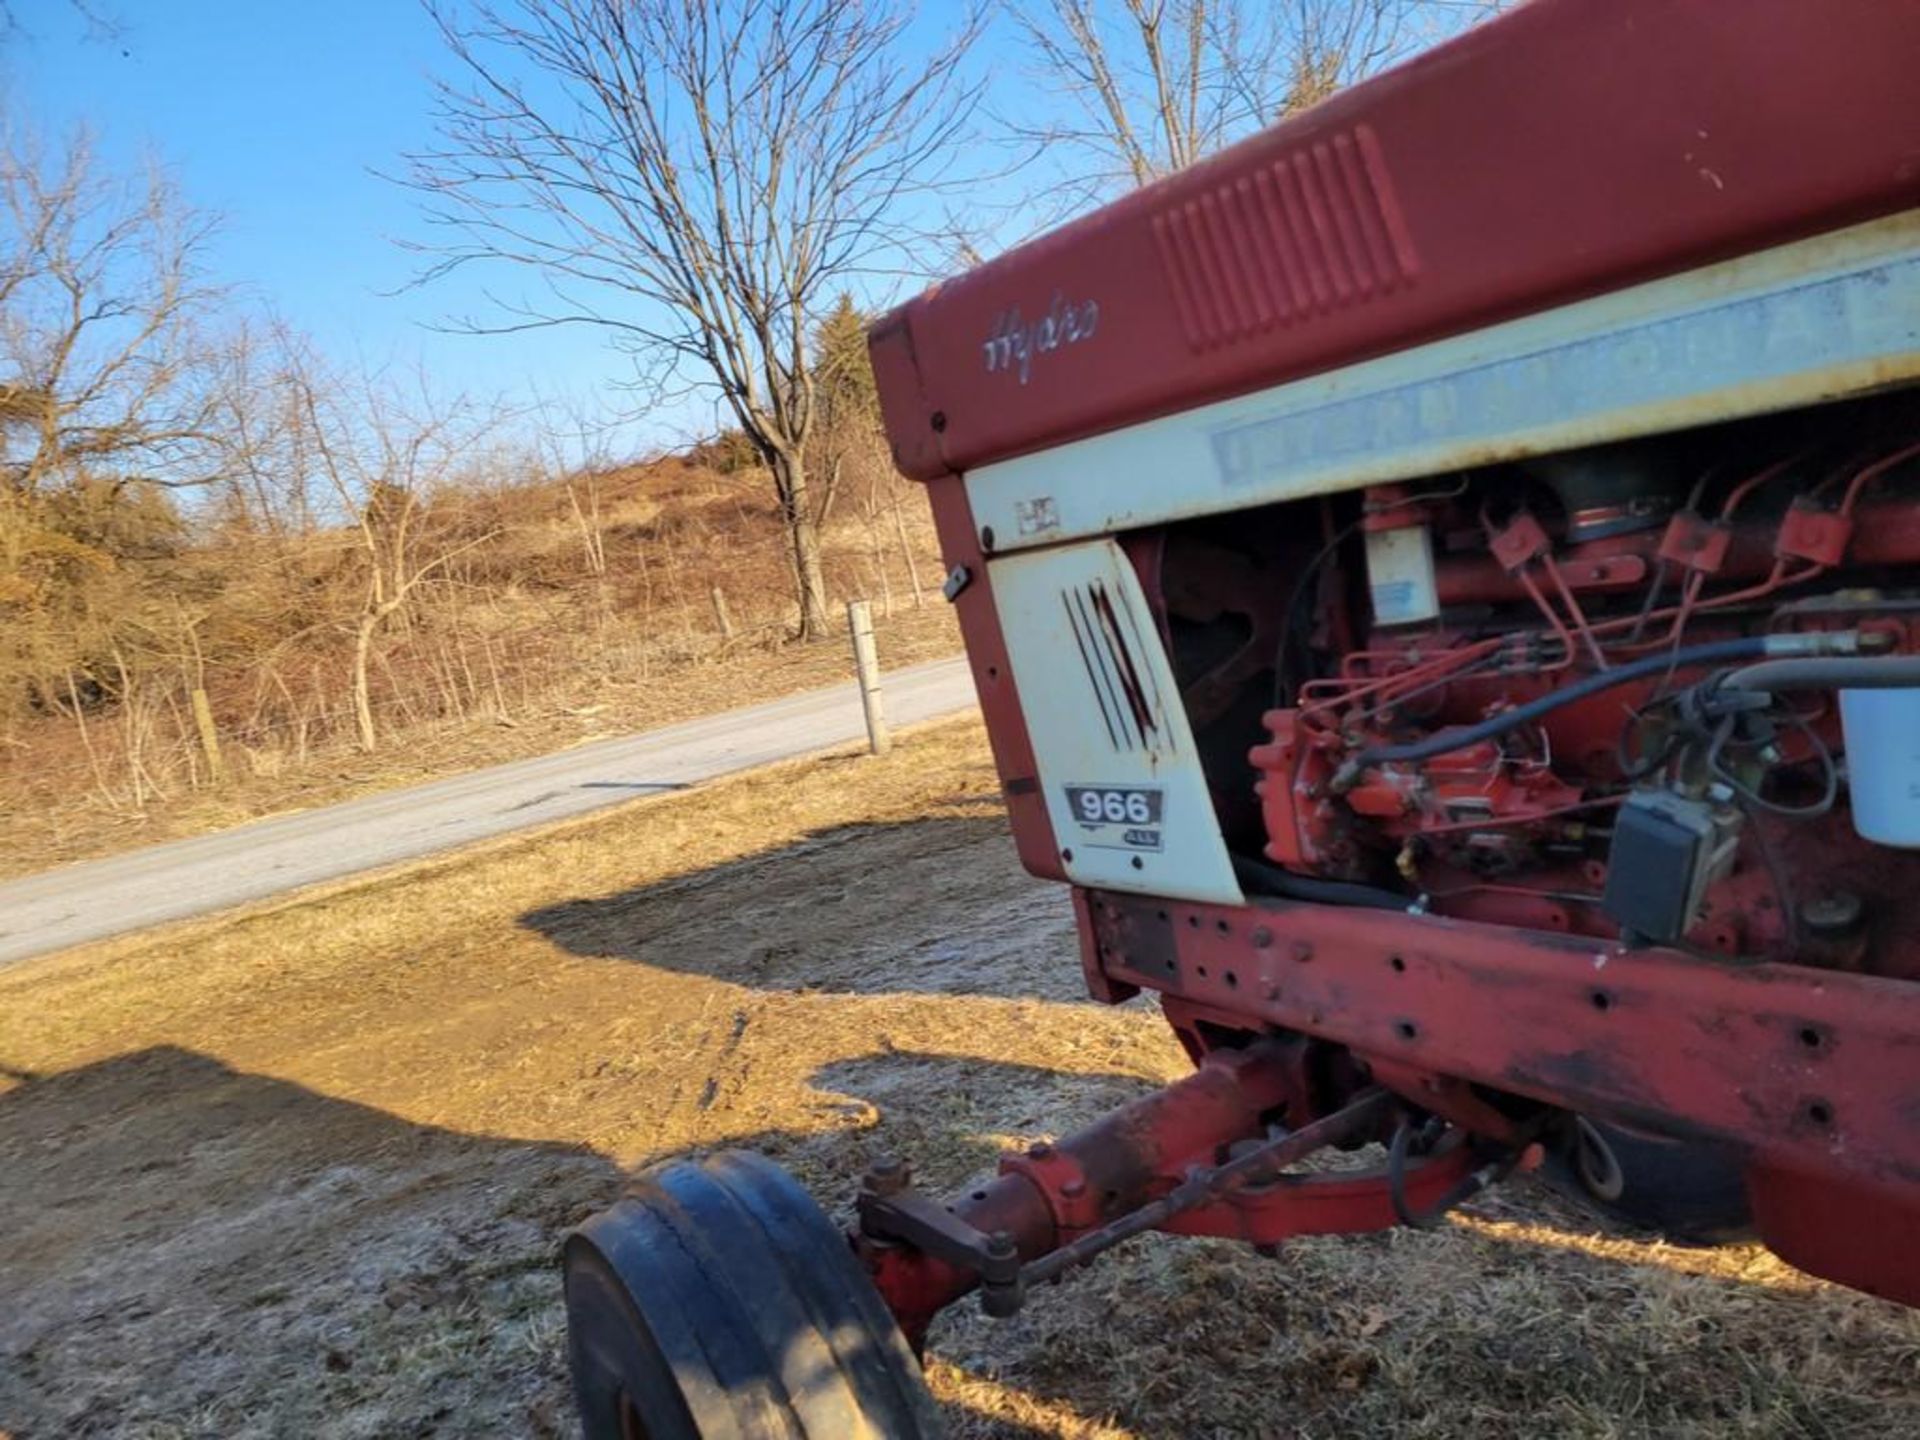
(1443, 583)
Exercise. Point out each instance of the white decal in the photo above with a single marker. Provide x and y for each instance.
(1038, 515)
(1013, 342)
(1123, 816)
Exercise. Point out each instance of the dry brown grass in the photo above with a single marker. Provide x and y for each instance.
(302, 1170)
(519, 648)
(590, 703)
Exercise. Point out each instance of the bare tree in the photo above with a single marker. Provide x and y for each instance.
(384, 459)
(107, 383)
(573, 451)
(696, 177)
(271, 484)
(106, 370)
(852, 440)
(1150, 86)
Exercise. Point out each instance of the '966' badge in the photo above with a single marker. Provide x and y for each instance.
(1125, 817)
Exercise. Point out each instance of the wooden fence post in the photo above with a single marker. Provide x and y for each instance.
(720, 613)
(209, 736)
(867, 667)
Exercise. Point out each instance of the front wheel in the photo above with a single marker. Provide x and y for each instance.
(718, 1301)
(1690, 1192)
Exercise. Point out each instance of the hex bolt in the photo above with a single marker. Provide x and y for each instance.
(1001, 1291)
(1073, 1189)
(888, 1175)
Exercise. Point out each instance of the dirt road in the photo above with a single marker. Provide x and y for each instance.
(142, 888)
(303, 1171)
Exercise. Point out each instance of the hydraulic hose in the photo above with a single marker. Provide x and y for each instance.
(1713, 652)
(1875, 672)
(1272, 880)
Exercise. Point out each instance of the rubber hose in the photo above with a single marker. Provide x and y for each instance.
(1876, 672)
(1272, 880)
(1687, 657)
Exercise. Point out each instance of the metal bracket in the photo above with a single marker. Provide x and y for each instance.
(1202, 1186)
(891, 1209)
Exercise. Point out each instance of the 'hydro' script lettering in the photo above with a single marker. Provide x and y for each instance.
(1014, 342)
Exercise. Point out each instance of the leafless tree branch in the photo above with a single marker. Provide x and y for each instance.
(106, 367)
(1150, 86)
(694, 177)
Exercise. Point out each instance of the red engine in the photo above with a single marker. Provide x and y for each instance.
(1516, 694)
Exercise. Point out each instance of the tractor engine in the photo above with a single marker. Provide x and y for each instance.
(1526, 694)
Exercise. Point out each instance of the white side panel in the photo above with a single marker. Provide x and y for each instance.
(1791, 326)
(1118, 767)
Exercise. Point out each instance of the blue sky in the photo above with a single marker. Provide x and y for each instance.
(276, 114)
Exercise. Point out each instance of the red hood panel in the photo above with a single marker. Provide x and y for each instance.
(1566, 149)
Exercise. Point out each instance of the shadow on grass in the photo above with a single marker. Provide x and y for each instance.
(825, 911)
(189, 1249)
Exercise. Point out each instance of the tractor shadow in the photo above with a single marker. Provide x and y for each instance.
(190, 1249)
(934, 906)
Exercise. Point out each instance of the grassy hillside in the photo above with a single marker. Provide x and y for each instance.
(566, 608)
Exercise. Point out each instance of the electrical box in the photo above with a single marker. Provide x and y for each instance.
(1667, 850)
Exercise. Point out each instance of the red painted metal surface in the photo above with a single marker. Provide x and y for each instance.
(1569, 148)
(1867, 1239)
(993, 681)
(1812, 1073)
(1055, 1193)
(1882, 534)
(1809, 1071)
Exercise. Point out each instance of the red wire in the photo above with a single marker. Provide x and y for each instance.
(1422, 673)
(1573, 609)
(1351, 688)
(1553, 619)
(1874, 472)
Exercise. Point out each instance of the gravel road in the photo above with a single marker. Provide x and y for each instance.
(90, 901)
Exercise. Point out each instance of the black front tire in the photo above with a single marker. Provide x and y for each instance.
(1688, 1191)
(718, 1301)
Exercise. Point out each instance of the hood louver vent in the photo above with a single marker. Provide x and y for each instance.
(1318, 230)
(1109, 640)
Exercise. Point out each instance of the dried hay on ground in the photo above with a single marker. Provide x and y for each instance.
(303, 1170)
